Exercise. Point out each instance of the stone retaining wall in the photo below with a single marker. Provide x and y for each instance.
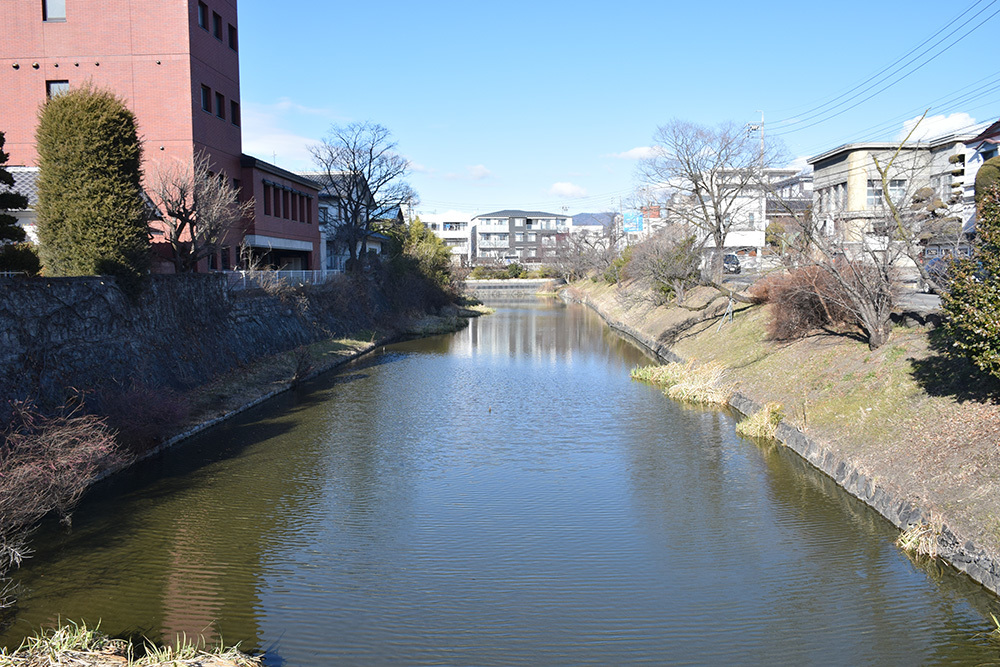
(60, 336)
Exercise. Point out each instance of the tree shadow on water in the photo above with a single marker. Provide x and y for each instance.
(943, 373)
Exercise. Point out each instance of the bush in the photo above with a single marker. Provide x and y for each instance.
(802, 300)
(46, 463)
(972, 299)
(987, 177)
(91, 218)
(616, 270)
(515, 270)
(20, 257)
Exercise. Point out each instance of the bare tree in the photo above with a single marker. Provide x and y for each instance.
(862, 255)
(668, 260)
(709, 177)
(590, 250)
(202, 211)
(361, 168)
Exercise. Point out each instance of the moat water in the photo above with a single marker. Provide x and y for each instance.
(503, 495)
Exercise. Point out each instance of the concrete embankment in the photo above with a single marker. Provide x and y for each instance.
(881, 424)
(509, 289)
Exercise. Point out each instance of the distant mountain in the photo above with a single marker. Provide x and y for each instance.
(604, 219)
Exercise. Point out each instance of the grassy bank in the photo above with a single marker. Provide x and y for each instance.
(909, 418)
(73, 644)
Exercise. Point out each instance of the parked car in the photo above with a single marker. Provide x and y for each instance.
(730, 264)
(938, 268)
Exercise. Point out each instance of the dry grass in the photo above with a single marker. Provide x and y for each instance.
(76, 644)
(689, 382)
(761, 424)
(920, 539)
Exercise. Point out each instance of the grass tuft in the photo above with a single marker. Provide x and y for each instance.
(76, 644)
(763, 423)
(919, 539)
(688, 382)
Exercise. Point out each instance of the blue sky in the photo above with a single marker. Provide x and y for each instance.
(543, 105)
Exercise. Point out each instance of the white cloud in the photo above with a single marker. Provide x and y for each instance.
(479, 172)
(567, 190)
(419, 168)
(637, 153)
(935, 126)
(800, 163)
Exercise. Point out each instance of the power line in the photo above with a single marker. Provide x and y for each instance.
(883, 70)
(827, 115)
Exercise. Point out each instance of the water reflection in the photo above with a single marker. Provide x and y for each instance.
(504, 495)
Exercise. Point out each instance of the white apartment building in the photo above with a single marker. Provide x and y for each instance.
(457, 231)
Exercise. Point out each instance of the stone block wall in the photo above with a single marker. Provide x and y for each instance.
(59, 336)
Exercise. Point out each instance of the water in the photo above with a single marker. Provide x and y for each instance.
(505, 495)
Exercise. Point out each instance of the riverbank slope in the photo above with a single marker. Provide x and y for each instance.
(903, 428)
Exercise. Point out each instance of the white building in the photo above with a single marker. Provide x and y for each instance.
(457, 231)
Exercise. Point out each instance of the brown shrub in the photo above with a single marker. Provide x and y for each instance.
(802, 300)
(46, 463)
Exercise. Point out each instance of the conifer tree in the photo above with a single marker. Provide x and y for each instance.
(9, 200)
(91, 218)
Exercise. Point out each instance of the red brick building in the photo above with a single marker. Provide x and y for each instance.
(175, 62)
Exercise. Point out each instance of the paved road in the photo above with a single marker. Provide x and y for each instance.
(910, 298)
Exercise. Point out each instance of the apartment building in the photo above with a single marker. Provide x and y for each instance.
(458, 233)
(176, 65)
(527, 237)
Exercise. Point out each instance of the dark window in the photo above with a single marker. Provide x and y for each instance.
(295, 206)
(220, 106)
(286, 212)
(234, 112)
(206, 98)
(225, 260)
(267, 200)
(53, 10)
(217, 26)
(54, 88)
(203, 15)
(213, 262)
(236, 184)
(232, 38)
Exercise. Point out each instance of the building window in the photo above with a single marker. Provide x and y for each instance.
(203, 15)
(206, 99)
(295, 206)
(897, 190)
(217, 26)
(234, 112)
(53, 10)
(267, 200)
(55, 88)
(225, 260)
(220, 106)
(232, 38)
(286, 211)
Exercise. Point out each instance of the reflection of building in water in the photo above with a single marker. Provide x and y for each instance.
(538, 330)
